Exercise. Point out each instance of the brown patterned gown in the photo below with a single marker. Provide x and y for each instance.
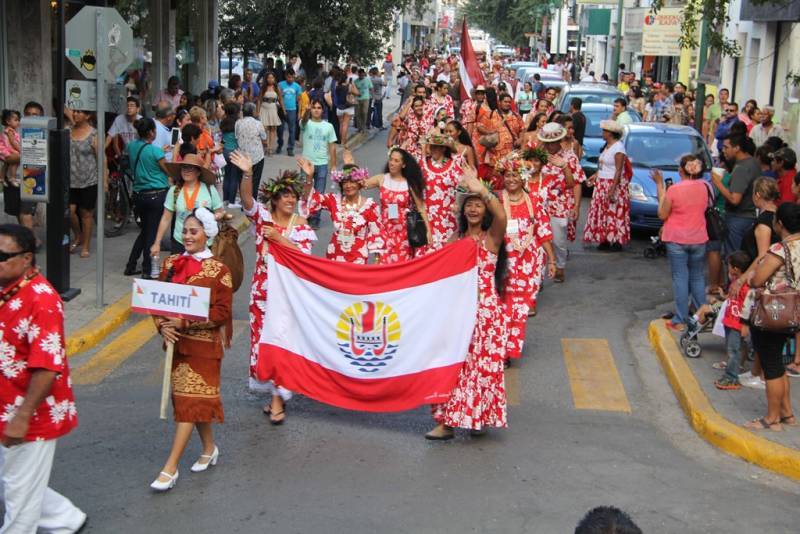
(197, 359)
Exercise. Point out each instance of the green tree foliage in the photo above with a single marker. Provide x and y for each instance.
(508, 20)
(313, 29)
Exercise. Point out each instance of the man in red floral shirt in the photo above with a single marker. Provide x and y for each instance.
(558, 174)
(36, 402)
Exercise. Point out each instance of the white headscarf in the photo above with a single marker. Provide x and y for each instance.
(206, 218)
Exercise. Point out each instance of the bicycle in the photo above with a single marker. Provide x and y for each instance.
(119, 199)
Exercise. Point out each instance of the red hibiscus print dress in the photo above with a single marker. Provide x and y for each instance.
(356, 229)
(609, 222)
(433, 104)
(440, 198)
(479, 398)
(528, 228)
(579, 176)
(393, 220)
(415, 129)
(301, 235)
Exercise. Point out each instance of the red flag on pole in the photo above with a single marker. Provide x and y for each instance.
(470, 69)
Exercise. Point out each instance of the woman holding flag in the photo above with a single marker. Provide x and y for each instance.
(528, 244)
(479, 398)
(275, 220)
(198, 345)
(356, 220)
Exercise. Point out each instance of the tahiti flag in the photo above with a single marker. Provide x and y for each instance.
(376, 338)
(469, 70)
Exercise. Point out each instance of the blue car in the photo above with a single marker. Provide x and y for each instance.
(592, 137)
(658, 146)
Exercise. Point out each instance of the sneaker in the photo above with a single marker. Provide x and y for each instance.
(727, 382)
(745, 376)
(234, 206)
(290, 152)
(756, 383)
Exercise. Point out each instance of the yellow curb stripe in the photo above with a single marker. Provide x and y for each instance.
(93, 333)
(593, 376)
(114, 353)
(707, 422)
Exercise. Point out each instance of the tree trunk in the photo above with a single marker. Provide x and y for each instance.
(309, 59)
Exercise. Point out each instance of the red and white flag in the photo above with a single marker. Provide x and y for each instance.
(469, 69)
(365, 337)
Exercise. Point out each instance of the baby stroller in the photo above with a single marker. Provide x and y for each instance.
(655, 249)
(690, 344)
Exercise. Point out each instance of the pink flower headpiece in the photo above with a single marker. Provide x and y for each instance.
(694, 167)
(356, 174)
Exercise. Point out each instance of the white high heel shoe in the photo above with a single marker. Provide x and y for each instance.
(214, 456)
(165, 486)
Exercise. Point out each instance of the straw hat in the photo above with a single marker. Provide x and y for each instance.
(611, 126)
(552, 132)
(206, 175)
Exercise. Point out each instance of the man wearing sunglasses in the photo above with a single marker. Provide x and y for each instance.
(36, 402)
(730, 116)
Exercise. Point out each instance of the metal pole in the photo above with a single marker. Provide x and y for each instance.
(558, 35)
(101, 153)
(700, 93)
(618, 47)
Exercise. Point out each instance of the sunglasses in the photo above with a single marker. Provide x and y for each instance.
(5, 256)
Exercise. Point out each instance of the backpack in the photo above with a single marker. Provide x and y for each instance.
(226, 249)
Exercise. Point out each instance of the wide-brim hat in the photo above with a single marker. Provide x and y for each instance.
(611, 126)
(435, 137)
(552, 132)
(480, 88)
(207, 176)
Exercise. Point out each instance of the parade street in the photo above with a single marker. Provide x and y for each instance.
(577, 438)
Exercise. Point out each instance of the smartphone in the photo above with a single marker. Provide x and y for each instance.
(176, 136)
(668, 182)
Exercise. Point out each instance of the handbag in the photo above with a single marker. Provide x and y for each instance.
(352, 93)
(416, 229)
(778, 310)
(715, 225)
(226, 248)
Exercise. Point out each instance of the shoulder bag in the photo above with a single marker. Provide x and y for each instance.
(778, 311)
(715, 224)
(416, 229)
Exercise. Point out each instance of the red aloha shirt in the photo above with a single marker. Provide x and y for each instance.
(32, 338)
(560, 198)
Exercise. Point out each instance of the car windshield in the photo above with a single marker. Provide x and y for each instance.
(659, 150)
(593, 118)
(594, 98)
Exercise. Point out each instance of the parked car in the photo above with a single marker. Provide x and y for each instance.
(519, 64)
(593, 138)
(238, 68)
(658, 146)
(590, 93)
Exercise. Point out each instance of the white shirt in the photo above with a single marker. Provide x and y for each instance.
(443, 77)
(123, 128)
(759, 135)
(607, 167)
(163, 138)
(588, 78)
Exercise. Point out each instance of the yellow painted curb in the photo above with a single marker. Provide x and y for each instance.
(93, 333)
(707, 422)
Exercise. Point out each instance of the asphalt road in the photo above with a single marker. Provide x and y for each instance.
(328, 470)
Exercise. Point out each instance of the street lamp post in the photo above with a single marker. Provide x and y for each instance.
(618, 47)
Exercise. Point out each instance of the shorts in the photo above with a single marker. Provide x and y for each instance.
(769, 346)
(84, 197)
(13, 205)
(348, 111)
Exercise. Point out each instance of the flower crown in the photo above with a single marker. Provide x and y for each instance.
(461, 190)
(436, 138)
(291, 180)
(531, 152)
(512, 163)
(356, 174)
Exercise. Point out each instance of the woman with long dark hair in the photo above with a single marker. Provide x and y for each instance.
(401, 186)
(479, 398)
(463, 142)
(230, 182)
(536, 123)
(267, 109)
(273, 214)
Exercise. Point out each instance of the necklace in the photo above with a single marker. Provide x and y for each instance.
(519, 197)
(8, 293)
(352, 207)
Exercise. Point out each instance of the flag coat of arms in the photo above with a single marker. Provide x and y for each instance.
(374, 338)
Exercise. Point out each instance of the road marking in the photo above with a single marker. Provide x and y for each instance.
(102, 364)
(593, 376)
(512, 385)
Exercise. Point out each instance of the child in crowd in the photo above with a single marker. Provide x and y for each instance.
(735, 330)
(9, 144)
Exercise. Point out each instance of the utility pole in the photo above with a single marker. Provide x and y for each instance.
(700, 93)
(618, 47)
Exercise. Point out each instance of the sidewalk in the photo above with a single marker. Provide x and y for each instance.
(718, 415)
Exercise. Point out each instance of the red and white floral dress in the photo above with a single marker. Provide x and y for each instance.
(414, 130)
(395, 200)
(440, 198)
(301, 235)
(580, 177)
(356, 229)
(479, 398)
(527, 230)
(32, 338)
(433, 104)
(609, 222)
(560, 200)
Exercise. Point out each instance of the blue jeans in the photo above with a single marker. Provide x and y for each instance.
(291, 122)
(688, 277)
(733, 344)
(377, 113)
(230, 182)
(737, 227)
(320, 181)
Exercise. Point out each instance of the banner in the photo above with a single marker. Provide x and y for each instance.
(661, 32)
(469, 69)
(376, 338)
